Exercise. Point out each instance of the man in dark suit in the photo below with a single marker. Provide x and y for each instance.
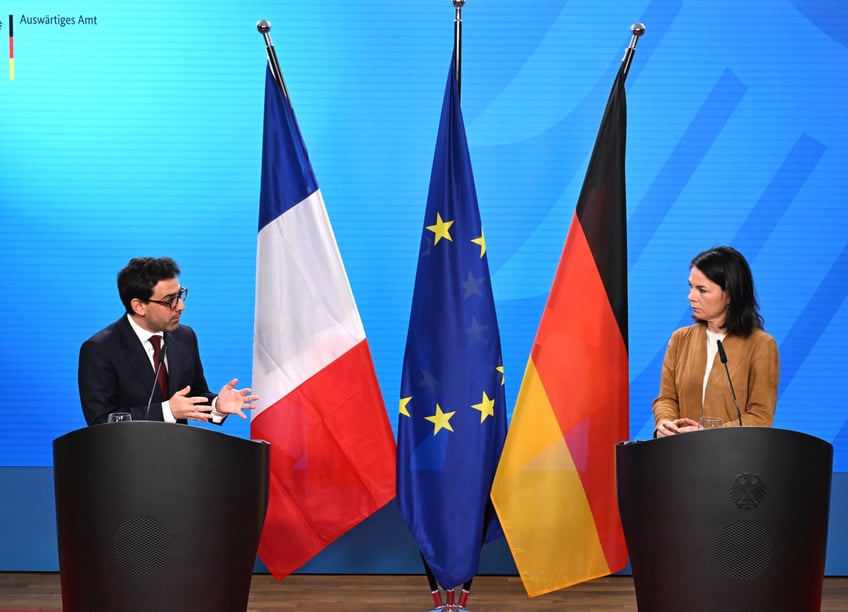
(117, 369)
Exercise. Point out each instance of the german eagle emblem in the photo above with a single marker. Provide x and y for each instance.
(747, 491)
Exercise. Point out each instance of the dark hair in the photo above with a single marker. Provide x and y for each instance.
(140, 275)
(727, 268)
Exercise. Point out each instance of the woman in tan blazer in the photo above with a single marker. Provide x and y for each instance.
(694, 383)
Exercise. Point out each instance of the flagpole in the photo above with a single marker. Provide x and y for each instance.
(457, 43)
(457, 50)
(434, 586)
(638, 29)
(264, 27)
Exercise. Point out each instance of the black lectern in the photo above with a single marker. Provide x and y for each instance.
(157, 517)
(726, 519)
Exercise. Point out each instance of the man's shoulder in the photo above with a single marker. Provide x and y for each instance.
(110, 333)
(183, 332)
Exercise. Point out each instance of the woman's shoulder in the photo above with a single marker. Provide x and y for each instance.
(760, 337)
(696, 330)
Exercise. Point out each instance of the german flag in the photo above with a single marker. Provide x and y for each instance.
(554, 491)
(11, 48)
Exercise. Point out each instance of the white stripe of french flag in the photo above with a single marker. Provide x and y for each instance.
(306, 316)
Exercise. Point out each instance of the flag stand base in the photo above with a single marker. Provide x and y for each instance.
(452, 605)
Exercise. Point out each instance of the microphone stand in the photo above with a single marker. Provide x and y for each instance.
(723, 356)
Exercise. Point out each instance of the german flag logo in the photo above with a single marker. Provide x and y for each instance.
(11, 47)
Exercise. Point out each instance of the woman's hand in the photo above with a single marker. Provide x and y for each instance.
(670, 428)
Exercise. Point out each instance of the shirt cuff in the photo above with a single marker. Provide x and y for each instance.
(217, 417)
(167, 415)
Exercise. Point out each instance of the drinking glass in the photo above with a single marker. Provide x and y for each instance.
(709, 422)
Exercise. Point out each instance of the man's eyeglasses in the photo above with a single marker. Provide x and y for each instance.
(172, 301)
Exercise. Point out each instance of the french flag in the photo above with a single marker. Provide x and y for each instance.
(321, 409)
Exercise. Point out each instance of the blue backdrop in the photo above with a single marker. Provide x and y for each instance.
(135, 129)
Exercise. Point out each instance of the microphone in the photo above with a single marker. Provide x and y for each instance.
(723, 356)
(155, 379)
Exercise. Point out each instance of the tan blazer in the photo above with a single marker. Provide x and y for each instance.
(754, 368)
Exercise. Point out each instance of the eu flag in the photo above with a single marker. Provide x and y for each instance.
(452, 421)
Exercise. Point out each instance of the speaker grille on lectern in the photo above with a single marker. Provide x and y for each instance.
(141, 545)
(744, 549)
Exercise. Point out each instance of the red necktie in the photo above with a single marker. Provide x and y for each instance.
(162, 379)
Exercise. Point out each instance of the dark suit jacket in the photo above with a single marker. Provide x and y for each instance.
(115, 374)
